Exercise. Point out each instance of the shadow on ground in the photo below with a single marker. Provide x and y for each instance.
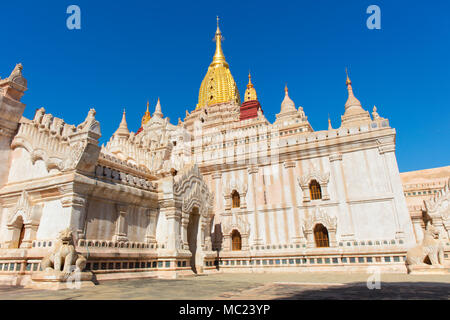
(360, 291)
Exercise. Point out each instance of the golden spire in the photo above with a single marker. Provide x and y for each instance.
(218, 86)
(250, 93)
(219, 57)
(146, 118)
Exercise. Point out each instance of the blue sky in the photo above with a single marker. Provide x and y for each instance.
(129, 52)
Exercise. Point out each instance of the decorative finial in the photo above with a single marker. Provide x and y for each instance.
(286, 88)
(329, 123)
(375, 114)
(250, 84)
(348, 82)
(219, 58)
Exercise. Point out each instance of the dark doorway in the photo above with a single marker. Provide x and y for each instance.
(21, 236)
(192, 235)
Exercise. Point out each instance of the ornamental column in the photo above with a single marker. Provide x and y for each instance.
(184, 226)
(253, 171)
(309, 238)
(31, 229)
(120, 234)
(173, 216)
(76, 204)
(289, 167)
(150, 234)
(345, 214)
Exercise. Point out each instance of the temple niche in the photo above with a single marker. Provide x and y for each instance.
(223, 190)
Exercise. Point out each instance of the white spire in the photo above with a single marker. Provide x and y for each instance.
(287, 104)
(123, 131)
(158, 112)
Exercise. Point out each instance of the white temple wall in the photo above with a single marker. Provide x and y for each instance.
(162, 228)
(23, 169)
(5, 158)
(404, 218)
(137, 221)
(373, 220)
(3, 224)
(101, 220)
(54, 218)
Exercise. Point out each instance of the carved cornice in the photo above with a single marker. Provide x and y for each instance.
(336, 157)
(252, 169)
(217, 175)
(289, 164)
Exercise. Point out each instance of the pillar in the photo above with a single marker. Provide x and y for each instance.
(120, 234)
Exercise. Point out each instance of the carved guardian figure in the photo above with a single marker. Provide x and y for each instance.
(430, 247)
(63, 256)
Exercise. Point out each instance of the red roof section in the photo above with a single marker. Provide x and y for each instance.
(249, 109)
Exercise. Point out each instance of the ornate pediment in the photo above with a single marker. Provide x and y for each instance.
(193, 190)
(236, 223)
(321, 178)
(234, 185)
(22, 209)
(321, 216)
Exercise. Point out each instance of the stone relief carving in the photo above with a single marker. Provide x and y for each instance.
(438, 209)
(193, 190)
(59, 145)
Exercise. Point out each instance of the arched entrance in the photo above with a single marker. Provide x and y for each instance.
(17, 232)
(192, 236)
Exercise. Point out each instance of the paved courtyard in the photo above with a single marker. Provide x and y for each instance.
(293, 286)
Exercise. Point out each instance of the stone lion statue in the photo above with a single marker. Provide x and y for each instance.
(430, 247)
(63, 256)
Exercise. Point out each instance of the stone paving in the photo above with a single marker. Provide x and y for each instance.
(291, 286)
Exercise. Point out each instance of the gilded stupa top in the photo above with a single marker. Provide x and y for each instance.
(250, 93)
(218, 86)
(146, 118)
